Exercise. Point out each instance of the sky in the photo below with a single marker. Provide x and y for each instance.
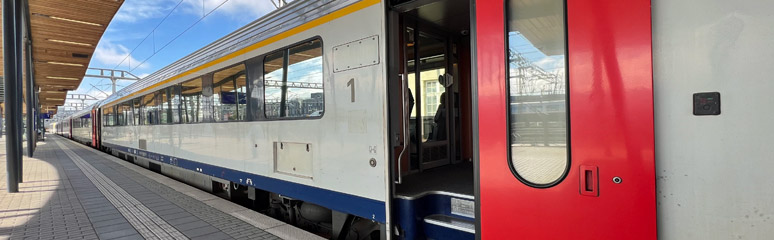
(143, 36)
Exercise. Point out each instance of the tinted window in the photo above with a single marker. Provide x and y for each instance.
(538, 91)
(293, 80)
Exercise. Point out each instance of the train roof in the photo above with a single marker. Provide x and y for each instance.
(288, 17)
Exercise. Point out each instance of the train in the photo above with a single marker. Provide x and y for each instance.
(480, 119)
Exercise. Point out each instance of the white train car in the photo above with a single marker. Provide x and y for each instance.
(271, 106)
(82, 126)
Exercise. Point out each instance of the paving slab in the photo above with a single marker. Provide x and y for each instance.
(74, 192)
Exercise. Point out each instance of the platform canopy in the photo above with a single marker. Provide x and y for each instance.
(64, 35)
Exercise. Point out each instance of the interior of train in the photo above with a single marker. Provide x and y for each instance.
(430, 97)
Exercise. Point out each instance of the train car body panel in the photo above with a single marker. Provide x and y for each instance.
(342, 143)
(610, 123)
(714, 172)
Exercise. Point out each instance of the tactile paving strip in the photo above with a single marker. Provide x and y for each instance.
(147, 223)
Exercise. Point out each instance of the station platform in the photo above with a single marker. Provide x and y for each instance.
(71, 191)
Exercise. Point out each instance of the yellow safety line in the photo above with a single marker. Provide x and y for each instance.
(306, 26)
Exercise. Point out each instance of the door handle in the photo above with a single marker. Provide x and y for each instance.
(589, 181)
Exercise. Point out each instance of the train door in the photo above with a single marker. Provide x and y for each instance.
(429, 78)
(70, 128)
(564, 119)
(96, 119)
(430, 115)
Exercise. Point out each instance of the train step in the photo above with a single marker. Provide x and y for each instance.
(439, 226)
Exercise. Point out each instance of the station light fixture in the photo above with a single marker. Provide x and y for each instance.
(55, 99)
(75, 21)
(70, 42)
(59, 86)
(63, 78)
(67, 19)
(66, 64)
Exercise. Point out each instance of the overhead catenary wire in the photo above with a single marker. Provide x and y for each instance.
(178, 36)
(149, 34)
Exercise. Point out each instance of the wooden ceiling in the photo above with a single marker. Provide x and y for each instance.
(64, 36)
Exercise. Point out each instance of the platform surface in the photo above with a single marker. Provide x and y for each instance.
(74, 192)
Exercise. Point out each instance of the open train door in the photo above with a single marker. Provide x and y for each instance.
(564, 119)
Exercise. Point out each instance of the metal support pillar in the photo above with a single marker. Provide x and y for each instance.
(30, 91)
(12, 112)
(18, 33)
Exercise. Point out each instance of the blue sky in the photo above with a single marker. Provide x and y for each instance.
(137, 19)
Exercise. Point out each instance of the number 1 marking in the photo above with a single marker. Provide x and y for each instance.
(351, 84)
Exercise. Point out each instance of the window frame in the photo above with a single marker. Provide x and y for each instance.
(507, 100)
(286, 59)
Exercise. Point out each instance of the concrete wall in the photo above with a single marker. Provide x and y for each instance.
(715, 173)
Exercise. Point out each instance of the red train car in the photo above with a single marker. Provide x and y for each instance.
(598, 182)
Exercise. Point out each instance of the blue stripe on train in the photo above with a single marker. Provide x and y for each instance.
(342, 202)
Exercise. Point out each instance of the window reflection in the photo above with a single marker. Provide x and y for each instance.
(163, 107)
(191, 95)
(294, 83)
(138, 112)
(174, 101)
(538, 91)
(226, 96)
(150, 107)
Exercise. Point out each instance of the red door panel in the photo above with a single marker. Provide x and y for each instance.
(611, 130)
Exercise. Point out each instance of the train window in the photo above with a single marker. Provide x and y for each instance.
(274, 73)
(137, 102)
(119, 116)
(165, 112)
(537, 92)
(293, 80)
(112, 116)
(191, 95)
(174, 102)
(129, 113)
(241, 95)
(150, 109)
(125, 114)
(107, 116)
(228, 100)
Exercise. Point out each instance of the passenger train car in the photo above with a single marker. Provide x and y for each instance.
(451, 119)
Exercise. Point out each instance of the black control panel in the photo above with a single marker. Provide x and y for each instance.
(706, 103)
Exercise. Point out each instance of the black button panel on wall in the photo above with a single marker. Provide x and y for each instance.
(706, 103)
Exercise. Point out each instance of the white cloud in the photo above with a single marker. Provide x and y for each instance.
(112, 54)
(240, 9)
(135, 10)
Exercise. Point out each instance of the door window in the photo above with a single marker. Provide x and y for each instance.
(537, 91)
